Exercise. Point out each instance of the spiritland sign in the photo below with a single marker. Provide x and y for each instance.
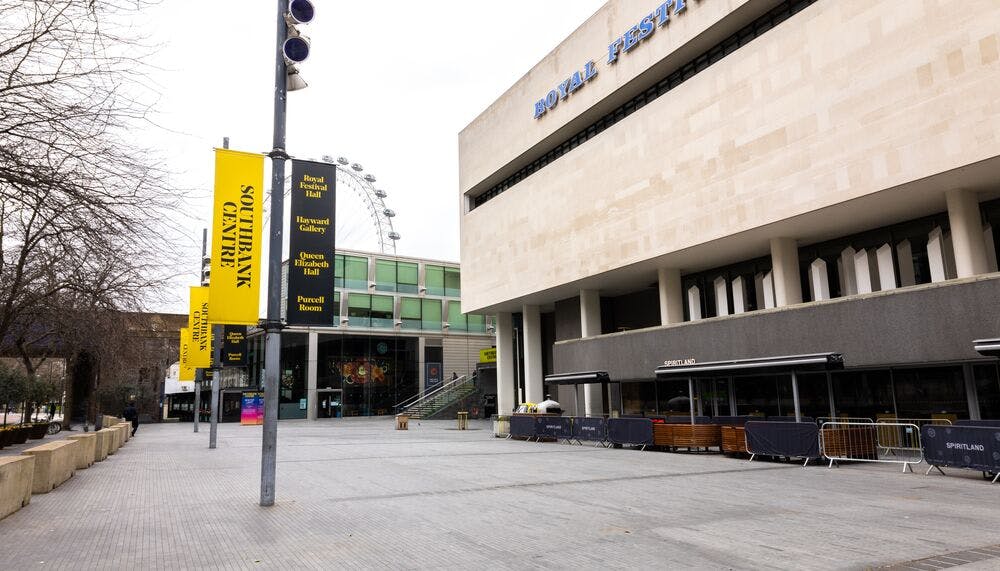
(621, 45)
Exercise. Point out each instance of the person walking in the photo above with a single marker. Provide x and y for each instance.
(132, 415)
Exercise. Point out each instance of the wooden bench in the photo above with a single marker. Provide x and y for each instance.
(734, 440)
(16, 475)
(86, 453)
(55, 462)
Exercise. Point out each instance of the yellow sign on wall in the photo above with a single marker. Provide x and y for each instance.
(488, 355)
(200, 351)
(237, 219)
(186, 372)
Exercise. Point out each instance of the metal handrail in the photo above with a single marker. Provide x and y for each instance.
(418, 397)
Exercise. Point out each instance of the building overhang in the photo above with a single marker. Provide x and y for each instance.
(987, 347)
(762, 365)
(579, 378)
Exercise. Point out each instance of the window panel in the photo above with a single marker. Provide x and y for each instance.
(452, 282)
(434, 280)
(355, 272)
(456, 320)
(385, 275)
(409, 312)
(359, 309)
(381, 311)
(406, 277)
(430, 314)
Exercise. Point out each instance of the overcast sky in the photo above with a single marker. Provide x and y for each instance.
(391, 83)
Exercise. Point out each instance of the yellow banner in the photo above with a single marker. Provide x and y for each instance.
(186, 371)
(488, 355)
(200, 354)
(237, 219)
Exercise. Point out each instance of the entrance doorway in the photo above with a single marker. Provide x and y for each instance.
(329, 403)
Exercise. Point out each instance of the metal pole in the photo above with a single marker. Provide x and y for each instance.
(795, 397)
(199, 374)
(272, 324)
(199, 377)
(829, 393)
(217, 332)
(691, 397)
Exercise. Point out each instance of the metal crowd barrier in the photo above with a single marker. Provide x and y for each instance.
(903, 442)
(867, 441)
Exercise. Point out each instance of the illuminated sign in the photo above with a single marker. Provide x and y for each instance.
(621, 45)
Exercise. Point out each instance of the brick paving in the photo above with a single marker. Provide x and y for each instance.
(354, 493)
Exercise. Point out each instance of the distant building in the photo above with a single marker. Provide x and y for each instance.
(400, 331)
(707, 181)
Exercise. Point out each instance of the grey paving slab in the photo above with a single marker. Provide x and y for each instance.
(356, 494)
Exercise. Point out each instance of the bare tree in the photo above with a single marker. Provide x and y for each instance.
(83, 208)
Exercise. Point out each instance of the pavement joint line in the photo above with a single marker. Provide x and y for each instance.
(527, 485)
(947, 560)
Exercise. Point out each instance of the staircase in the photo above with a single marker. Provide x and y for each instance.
(439, 399)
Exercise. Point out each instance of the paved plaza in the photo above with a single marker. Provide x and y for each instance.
(355, 493)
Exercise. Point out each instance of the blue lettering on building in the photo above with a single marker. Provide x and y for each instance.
(564, 89)
(621, 45)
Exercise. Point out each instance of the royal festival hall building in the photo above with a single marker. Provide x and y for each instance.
(701, 181)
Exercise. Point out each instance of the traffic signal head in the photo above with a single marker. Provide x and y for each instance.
(296, 47)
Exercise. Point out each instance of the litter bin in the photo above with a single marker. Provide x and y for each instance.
(402, 422)
(463, 421)
(501, 426)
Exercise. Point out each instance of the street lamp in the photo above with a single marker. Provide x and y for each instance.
(291, 49)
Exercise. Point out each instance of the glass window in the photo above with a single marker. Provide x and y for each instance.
(434, 280)
(456, 319)
(452, 282)
(476, 323)
(359, 309)
(988, 391)
(409, 312)
(937, 392)
(336, 308)
(338, 270)
(385, 275)
(382, 311)
(406, 277)
(355, 272)
(430, 314)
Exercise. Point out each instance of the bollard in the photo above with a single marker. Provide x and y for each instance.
(463, 421)
(402, 422)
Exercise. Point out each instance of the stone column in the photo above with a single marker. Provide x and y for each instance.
(785, 270)
(671, 296)
(505, 364)
(966, 233)
(311, 358)
(533, 388)
(590, 326)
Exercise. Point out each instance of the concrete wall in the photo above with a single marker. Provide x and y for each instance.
(930, 323)
(845, 102)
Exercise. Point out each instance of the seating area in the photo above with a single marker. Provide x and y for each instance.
(42, 468)
(970, 444)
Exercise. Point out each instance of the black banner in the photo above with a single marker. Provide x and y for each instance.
(594, 429)
(782, 438)
(522, 426)
(630, 430)
(554, 427)
(234, 346)
(311, 244)
(974, 447)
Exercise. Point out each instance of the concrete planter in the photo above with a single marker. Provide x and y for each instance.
(38, 430)
(16, 474)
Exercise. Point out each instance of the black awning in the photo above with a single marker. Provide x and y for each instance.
(581, 378)
(988, 347)
(737, 367)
